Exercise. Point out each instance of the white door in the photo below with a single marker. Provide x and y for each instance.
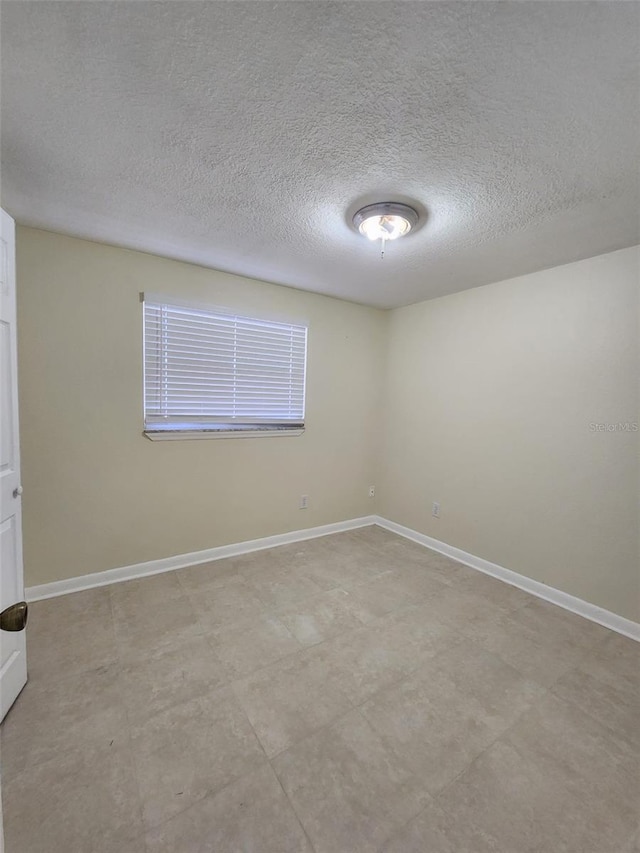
(13, 658)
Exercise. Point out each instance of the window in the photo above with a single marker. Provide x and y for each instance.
(207, 373)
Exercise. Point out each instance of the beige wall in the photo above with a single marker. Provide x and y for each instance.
(490, 394)
(482, 401)
(99, 495)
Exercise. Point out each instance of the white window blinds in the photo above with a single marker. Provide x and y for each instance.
(205, 370)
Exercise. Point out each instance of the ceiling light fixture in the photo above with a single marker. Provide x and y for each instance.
(385, 220)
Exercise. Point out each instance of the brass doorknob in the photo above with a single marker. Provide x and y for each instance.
(14, 617)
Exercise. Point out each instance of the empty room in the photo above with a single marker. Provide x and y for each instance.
(319, 426)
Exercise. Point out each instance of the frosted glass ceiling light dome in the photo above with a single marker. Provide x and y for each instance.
(385, 220)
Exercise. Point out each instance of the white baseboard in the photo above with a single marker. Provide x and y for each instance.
(548, 593)
(181, 561)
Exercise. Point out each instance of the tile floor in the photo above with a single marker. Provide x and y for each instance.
(348, 694)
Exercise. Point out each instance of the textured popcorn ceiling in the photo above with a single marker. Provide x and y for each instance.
(242, 135)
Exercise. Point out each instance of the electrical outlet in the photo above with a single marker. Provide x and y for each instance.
(304, 502)
(372, 491)
(435, 509)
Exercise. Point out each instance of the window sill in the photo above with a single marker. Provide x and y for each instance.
(199, 434)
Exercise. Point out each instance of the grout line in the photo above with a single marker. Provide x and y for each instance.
(251, 726)
(209, 795)
(437, 797)
(293, 808)
(358, 705)
(611, 732)
(273, 770)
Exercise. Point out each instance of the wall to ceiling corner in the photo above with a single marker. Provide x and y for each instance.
(515, 406)
(97, 494)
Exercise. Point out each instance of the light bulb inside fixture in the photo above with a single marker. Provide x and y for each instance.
(384, 227)
(385, 220)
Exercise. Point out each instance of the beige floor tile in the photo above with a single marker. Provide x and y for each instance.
(81, 711)
(511, 806)
(555, 781)
(213, 574)
(615, 706)
(384, 594)
(147, 628)
(91, 606)
(280, 587)
(447, 712)
(496, 591)
(348, 789)
(436, 831)
(317, 546)
(226, 604)
(395, 551)
(420, 581)
(252, 814)
(332, 543)
(615, 661)
(372, 535)
(383, 541)
(292, 698)
(447, 570)
(357, 605)
(540, 639)
(137, 596)
(469, 613)
(265, 560)
(344, 561)
(77, 649)
(77, 801)
(343, 571)
(244, 647)
(541, 658)
(568, 743)
(385, 651)
(400, 552)
(545, 617)
(632, 845)
(324, 615)
(606, 684)
(180, 673)
(190, 751)
(69, 634)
